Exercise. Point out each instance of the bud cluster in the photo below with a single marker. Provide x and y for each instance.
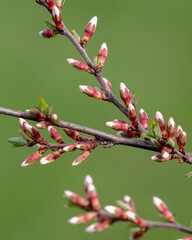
(124, 211)
(166, 135)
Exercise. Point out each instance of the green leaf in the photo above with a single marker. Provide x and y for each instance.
(51, 26)
(42, 106)
(17, 142)
(156, 129)
(96, 60)
(147, 135)
(49, 109)
(134, 98)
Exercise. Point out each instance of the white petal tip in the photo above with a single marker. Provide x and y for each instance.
(109, 124)
(68, 193)
(70, 60)
(90, 229)
(94, 21)
(73, 220)
(104, 45)
(110, 209)
(88, 179)
(43, 161)
(157, 201)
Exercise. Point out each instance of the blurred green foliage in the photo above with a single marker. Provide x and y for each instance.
(149, 44)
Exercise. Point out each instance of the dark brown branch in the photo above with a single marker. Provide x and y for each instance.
(116, 140)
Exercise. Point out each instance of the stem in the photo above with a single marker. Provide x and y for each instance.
(116, 140)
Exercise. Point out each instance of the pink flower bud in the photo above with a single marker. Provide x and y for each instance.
(143, 118)
(79, 65)
(51, 157)
(50, 3)
(132, 113)
(75, 198)
(116, 211)
(162, 157)
(103, 52)
(72, 133)
(82, 218)
(86, 146)
(128, 134)
(42, 124)
(91, 193)
(134, 218)
(118, 125)
(160, 119)
(54, 134)
(181, 138)
(56, 16)
(89, 30)
(70, 147)
(22, 123)
(91, 92)
(35, 134)
(138, 234)
(98, 227)
(171, 128)
(35, 113)
(125, 94)
(31, 159)
(47, 33)
(163, 209)
(81, 158)
(108, 83)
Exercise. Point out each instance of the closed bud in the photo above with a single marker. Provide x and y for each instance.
(132, 113)
(75, 198)
(86, 146)
(31, 159)
(42, 124)
(75, 35)
(54, 118)
(128, 134)
(35, 113)
(116, 211)
(143, 118)
(125, 94)
(98, 227)
(108, 83)
(79, 65)
(81, 158)
(54, 134)
(162, 157)
(137, 235)
(89, 30)
(47, 33)
(70, 147)
(103, 52)
(35, 134)
(72, 133)
(91, 92)
(91, 193)
(134, 218)
(163, 209)
(171, 128)
(181, 138)
(57, 18)
(59, 3)
(23, 123)
(51, 157)
(160, 119)
(118, 125)
(82, 218)
(50, 3)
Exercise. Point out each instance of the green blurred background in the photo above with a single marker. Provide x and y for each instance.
(149, 44)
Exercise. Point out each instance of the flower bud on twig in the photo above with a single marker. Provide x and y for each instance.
(163, 209)
(116, 211)
(51, 157)
(118, 125)
(57, 18)
(72, 133)
(91, 92)
(81, 158)
(160, 119)
(82, 218)
(98, 227)
(132, 113)
(35, 113)
(31, 159)
(181, 138)
(89, 30)
(47, 33)
(143, 118)
(79, 65)
(103, 52)
(54, 134)
(125, 94)
(171, 128)
(108, 83)
(75, 198)
(134, 218)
